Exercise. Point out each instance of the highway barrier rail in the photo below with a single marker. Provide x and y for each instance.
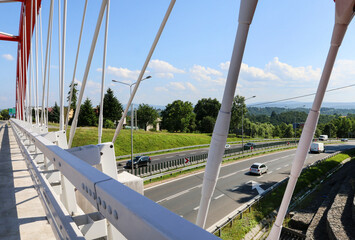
(200, 146)
(182, 162)
(63, 176)
(238, 213)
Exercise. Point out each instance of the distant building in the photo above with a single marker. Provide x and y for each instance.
(157, 125)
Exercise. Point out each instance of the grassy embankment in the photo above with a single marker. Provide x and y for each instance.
(143, 141)
(272, 201)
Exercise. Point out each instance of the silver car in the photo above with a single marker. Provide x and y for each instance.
(258, 168)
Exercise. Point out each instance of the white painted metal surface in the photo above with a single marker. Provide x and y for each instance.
(344, 12)
(135, 216)
(220, 131)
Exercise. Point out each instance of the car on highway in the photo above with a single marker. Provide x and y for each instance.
(138, 161)
(344, 140)
(249, 146)
(258, 168)
(317, 147)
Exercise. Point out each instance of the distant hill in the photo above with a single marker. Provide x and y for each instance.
(324, 110)
(294, 104)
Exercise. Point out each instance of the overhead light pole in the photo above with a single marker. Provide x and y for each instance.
(243, 122)
(130, 92)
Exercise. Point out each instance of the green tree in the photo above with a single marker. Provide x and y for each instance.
(112, 107)
(239, 109)
(206, 107)
(74, 96)
(5, 114)
(207, 124)
(53, 115)
(146, 115)
(178, 117)
(87, 116)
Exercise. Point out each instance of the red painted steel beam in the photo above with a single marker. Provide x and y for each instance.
(24, 49)
(8, 37)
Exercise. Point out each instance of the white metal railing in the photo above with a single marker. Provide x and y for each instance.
(133, 215)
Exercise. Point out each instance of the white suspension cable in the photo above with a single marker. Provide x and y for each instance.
(42, 74)
(61, 116)
(161, 28)
(50, 18)
(220, 131)
(103, 74)
(49, 54)
(59, 58)
(30, 67)
(76, 61)
(87, 68)
(36, 30)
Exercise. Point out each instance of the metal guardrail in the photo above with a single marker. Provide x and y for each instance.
(197, 146)
(183, 162)
(217, 228)
(134, 215)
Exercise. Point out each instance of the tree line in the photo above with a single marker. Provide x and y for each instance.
(182, 116)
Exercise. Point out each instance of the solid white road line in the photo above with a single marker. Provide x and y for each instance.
(218, 196)
(196, 208)
(178, 194)
(278, 169)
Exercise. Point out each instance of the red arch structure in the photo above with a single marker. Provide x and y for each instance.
(24, 34)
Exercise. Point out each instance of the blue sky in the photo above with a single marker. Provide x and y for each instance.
(286, 49)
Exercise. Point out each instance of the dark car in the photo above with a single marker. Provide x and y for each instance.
(139, 161)
(344, 139)
(249, 146)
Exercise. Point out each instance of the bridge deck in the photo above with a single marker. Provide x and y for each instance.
(21, 213)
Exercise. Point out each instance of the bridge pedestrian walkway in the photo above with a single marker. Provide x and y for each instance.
(21, 213)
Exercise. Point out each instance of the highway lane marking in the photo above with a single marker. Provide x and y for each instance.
(278, 169)
(178, 194)
(194, 152)
(270, 172)
(170, 157)
(286, 165)
(231, 174)
(196, 208)
(194, 174)
(219, 196)
(260, 176)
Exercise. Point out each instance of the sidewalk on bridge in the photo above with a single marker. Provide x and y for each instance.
(21, 211)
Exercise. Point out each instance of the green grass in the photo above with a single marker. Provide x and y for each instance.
(272, 200)
(143, 141)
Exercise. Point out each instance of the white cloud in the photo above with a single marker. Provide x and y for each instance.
(287, 72)
(256, 73)
(163, 69)
(191, 86)
(78, 82)
(177, 86)
(225, 65)
(161, 89)
(201, 73)
(8, 57)
(124, 73)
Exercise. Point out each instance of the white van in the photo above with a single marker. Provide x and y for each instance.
(323, 138)
(317, 147)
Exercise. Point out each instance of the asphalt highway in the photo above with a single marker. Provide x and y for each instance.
(178, 155)
(234, 186)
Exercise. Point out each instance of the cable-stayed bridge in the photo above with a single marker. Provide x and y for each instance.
(79, 188)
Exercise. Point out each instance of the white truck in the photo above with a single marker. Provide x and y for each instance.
(317, 147)
(323, 137)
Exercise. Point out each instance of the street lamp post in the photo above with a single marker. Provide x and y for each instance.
(130, 92)
(243, 124)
